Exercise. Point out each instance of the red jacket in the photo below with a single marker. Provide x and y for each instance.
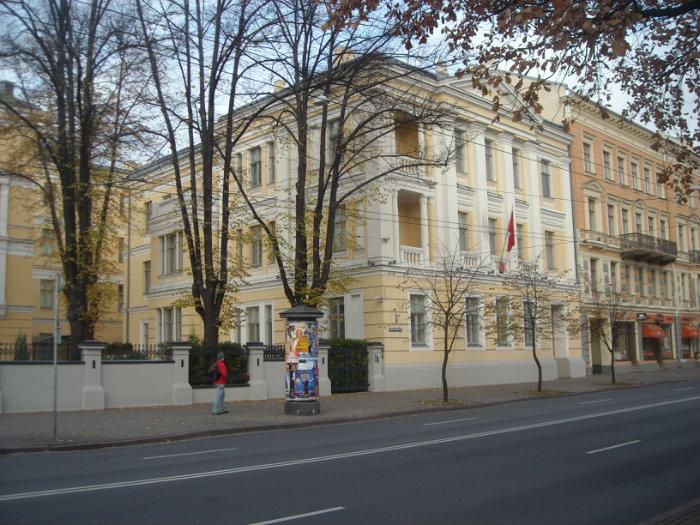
(223, 373)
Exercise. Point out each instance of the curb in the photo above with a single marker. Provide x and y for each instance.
(304, 424)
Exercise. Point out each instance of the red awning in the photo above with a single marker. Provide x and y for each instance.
(653, 331)
(689, 332)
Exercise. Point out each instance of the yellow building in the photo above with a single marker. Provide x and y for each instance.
(498, 167)
(28, 259)
(635, 237)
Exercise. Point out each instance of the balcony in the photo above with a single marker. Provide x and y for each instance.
(596, 239)
(694, 256)
(411, 255)
(647, 248)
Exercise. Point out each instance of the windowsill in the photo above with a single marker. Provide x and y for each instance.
(415, 347)
(170, 274)
(504, 347)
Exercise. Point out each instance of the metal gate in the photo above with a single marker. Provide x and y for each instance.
(347, 369)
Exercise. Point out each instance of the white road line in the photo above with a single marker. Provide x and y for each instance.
(684, 389)
(450, 421)
(332, 457)
(595, 401)
(191, 453)
(297, 516)
(614, 446)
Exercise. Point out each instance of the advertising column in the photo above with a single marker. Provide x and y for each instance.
(301, 360)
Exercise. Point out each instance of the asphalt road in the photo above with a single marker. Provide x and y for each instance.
(607, 457)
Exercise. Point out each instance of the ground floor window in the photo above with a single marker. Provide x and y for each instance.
(418, 319)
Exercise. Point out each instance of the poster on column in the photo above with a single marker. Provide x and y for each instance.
(301, 358)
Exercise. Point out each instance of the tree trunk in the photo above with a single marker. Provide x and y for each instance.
(211, 328)
(445, 355)
(612, 367)
(537, 362)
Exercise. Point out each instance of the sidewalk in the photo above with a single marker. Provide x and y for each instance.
(87, 429)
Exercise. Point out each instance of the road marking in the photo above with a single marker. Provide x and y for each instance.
(191, 453)
(595, 401)
(297, 516)
(332, 457)
(614, 446)
(450, 421)
(684, 389)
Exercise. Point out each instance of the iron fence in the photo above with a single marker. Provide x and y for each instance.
(132, 352)
(273, 353)
(38, 351)
(201, 359)
(347, 366)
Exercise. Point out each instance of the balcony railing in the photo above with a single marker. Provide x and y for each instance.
(162, 208)
(694, 256)
(411, 255)
(648, 248)
(599, 239)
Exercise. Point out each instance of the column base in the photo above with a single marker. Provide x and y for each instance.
(302, 408)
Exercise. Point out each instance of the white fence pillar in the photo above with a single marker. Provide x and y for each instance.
(324, 383)
(182, 391)
(375, 367)
(93, 393)
(256, 370)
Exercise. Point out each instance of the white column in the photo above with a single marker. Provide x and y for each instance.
(256, 367)
(324, 383)
(93, 392)
(481, 198)
(505, 146)
(446, 194)
(424, 234)
(182, 391)
(375, 367)
(395, 224)
(567, 191)
(535, 200)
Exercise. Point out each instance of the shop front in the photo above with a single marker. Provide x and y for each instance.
(654, 342)
(690, 335)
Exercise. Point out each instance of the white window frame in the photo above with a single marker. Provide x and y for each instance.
(427, 345)
(479, 344)
(254, 167)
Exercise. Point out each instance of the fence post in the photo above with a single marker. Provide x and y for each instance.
(375, 367)
(256, 370)
(324, 383)
(182, 391)
(93, 393)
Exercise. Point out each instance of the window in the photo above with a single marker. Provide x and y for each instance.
(660, 186)
(269, 338)
(120, 297)
(120, 248)
(650, 225)
(472, 312)
(336, 317)
(516, 168)
(681, 238)
(662, 229)
(254, 169)
(146, 276)
(460, 152)
(621, 171)
(647, 180)
(626, 279)
(170, 320)
(490, 166)
(692, 238)
(48, 244)
(520, 241)
(664, 284)
(611, 219)
(271, 167)
(625, 221)
(592, 223)
(652, 283)
(332, 141)
(418, 320)
(613, 277)
(252, 316)
(546, 179)
(46, 293)
(638, 222)
(640, 282)
(493, 248)
(587, 164)
(635, 175)
(340, 230)
(502, 322)
(606, 165)
(528, 322)
(170, 253)
(549, 250)
(594, 274)
(463, 230)
(256, 247)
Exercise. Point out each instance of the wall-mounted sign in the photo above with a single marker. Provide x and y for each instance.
(395, 329)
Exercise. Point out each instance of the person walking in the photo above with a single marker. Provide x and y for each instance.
(220, 382)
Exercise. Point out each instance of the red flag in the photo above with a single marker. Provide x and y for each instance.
(511, 234)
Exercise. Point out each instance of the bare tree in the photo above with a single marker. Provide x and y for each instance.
(198, 56)
(607, 308)
(524, 313)
(342, 98)
(79, 76)
(447, 288)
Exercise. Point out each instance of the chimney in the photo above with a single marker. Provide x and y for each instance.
(7, 88)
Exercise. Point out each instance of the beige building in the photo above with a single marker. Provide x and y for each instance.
(635, 237)
(28, 259)
(498, 167)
